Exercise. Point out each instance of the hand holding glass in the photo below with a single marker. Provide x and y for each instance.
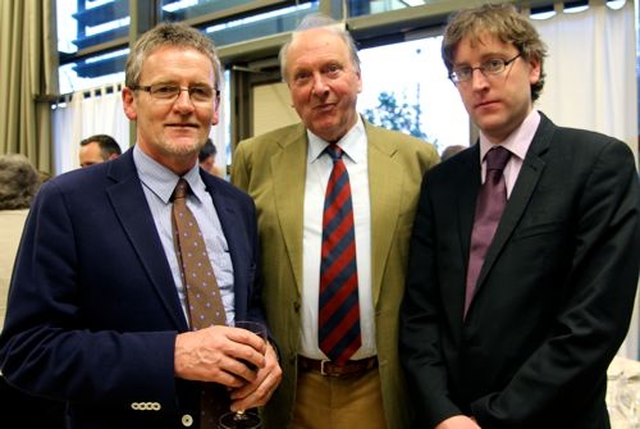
(241, 419)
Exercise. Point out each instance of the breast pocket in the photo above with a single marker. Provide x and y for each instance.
(545, 228)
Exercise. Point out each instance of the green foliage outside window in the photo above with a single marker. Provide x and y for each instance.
(397, 115)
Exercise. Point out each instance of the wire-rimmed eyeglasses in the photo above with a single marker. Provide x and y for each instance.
(170, 92)
(492, 66)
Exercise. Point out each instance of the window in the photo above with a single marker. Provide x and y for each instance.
(92, 41)
(426, 102)
(366, 7)
(93, 35)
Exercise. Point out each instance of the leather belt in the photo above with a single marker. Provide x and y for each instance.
(327, 368)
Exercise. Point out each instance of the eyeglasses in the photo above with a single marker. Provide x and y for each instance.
(490, 67)
(170, 93)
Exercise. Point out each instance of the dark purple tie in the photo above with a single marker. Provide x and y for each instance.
(339, 311)
(491, 201)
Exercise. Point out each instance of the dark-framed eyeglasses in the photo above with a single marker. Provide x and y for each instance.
(492, 66)
(171, 92)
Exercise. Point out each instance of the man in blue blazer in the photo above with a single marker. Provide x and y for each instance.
(553, 299)
(97, 312)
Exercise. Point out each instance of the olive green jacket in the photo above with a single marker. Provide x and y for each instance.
(272, 169)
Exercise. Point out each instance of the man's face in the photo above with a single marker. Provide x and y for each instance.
(173, 131)
(90, 154)
(324, 83)
(496, 103)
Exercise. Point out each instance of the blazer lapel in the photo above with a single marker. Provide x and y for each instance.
(129, 203)
(227, 214)
(467, 188)
(288, 163)
(385, 201)
(464, 189)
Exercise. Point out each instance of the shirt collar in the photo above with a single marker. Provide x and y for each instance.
(352, 143)
(162, 181)
(518, 141)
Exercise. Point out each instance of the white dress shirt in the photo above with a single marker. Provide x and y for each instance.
(319, 166)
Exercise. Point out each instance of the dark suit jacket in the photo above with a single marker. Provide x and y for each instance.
(554, 297)
(93, 310)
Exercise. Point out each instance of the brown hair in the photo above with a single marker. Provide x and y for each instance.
(502, 21)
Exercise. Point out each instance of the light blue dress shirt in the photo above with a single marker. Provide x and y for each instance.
(158, 183)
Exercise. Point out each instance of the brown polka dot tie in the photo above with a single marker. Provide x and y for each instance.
(204, 303)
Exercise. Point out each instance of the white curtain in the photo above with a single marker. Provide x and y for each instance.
(591, 82)
(99, 111)
(96, 111)
(591, 70)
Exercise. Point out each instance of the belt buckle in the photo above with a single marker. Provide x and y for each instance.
(322, 363)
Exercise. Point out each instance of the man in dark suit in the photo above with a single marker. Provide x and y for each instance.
(98, 312)
(555, 292)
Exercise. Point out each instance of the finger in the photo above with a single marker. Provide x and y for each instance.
(242, 369)
(253, 395)
(230, 372)
(248, 356)
(227, 379)
(261, 390)
(248, 338)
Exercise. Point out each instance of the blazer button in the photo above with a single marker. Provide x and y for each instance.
(187, 420)
(296, 306)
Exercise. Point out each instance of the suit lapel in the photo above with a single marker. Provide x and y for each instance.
(464, 188)
(385, 200)
(291, 162)
(227, 214)
(130, 205)
(467, 195)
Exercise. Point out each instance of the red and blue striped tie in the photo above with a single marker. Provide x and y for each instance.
(339, 312)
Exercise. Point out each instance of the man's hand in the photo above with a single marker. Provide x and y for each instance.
(258, 392)
(458, 422)
(220, 354)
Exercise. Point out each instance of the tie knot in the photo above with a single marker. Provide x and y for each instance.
(181, 189)
(334, 152)
(497, 158)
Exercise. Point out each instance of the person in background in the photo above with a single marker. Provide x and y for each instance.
(449, 151)
(100, 313)
(207, 158)
(516, 328)
(98, 148)
(19, 183)
(362, 385)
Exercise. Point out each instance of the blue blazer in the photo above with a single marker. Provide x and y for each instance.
(554, 297)
(93, 311)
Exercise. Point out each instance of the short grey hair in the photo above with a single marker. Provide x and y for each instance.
(169, 34)
(19, 182)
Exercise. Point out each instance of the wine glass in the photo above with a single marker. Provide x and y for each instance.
(242, 419)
